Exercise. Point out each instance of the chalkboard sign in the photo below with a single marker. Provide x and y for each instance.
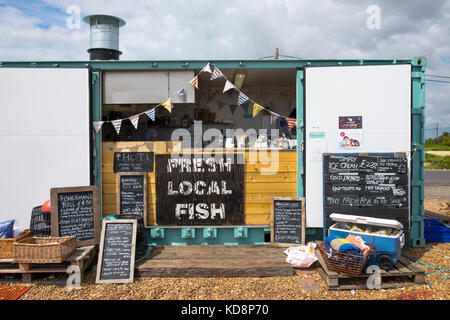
(117, 248)
(287, 221)
(75, 212)
(133, 161)
(132, 194)
(345, 163)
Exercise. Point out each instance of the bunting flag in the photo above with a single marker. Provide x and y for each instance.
(242, 98)
(233, 108)
(181, 94)
(291, 123)
(228, 86)
(207, 68)
(273, 117)
(134, 121)
(194, 82)
(98, 125)
(220, 104)
(167, 104)
(256, 109)
(216, 74)
(245, 107)
(151, 114)
(117, 124)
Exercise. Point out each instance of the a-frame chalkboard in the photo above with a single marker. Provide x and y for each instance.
(287, 221)
(132, 194)
(76, 212)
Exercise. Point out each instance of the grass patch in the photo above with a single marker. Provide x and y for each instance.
(437, 162)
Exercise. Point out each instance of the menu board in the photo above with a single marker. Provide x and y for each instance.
(133, 161)
(132, 194)
(116, 255)
(75, 212)
(287, 221)
(374, 186)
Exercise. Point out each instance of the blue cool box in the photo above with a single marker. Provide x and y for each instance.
(436, 231)
(387, 248)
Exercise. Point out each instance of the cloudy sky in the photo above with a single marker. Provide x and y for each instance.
(243, 29)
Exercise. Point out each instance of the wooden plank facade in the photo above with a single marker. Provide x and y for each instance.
(261, 181)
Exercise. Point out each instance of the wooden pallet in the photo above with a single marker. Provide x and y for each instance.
(215, 261)
(81, 259)
(403, 274)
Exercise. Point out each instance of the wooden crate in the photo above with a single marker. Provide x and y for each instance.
(403, 274)
(7, 245)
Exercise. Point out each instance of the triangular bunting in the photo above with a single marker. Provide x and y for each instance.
(256, 109)
(233, 108)
(242, 98)
(117, 124)
(245, 107)
(98, 125)
(207, 68)
(151, 114)
(167, 104)
(220, 104)
(228, 86)
(273, 117)
(194, 82)
(181, 94)
(216, 74)
(134, 121)
(291, 123)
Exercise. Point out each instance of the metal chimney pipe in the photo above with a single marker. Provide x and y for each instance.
(104, 36)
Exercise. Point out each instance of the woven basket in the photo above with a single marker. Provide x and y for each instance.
(7, 245)
(44, 250)
(340, 262)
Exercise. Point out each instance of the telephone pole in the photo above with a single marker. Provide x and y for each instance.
(437, 130)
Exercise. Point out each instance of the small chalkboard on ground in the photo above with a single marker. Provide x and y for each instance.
(116, 254)
(132, 194)
(287, 221)
(76, 212)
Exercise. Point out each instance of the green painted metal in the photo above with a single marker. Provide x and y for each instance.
(300, 126)
(96, 116)
(416, 236)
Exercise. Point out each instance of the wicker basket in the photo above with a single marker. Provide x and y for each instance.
(349, 263)
(7, 245)
(44, 250)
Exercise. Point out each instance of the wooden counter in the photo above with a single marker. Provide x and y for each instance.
(259, 188)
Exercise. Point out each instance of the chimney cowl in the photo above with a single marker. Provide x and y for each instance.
(104, 36)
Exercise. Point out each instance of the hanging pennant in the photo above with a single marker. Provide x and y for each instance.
(151, 114)
(117, 124)
(245, 107)
(181, 94)
(194, 82)
(216, 74)
(233, 108)
(98, 125)
(134, 121)
(273, 117)
(228, 86)
(242, 98)
(291, 123)
(220, 104)
(207, 68)
(167, 104)
(256, 109)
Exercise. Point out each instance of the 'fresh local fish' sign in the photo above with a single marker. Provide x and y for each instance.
(197, 190)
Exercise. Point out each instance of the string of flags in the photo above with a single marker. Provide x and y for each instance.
(216, 73)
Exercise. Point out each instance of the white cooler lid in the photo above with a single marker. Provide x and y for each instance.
(367, 220)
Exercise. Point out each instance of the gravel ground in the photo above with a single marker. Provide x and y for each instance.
(272, 288)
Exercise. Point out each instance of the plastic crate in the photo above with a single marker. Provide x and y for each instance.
(435, 231)
(40, 223)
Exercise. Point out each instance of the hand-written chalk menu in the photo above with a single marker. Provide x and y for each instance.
(366, 185)
(116, 258)
(133, 161)
(288, 221)
(75, 212)
(132, 194)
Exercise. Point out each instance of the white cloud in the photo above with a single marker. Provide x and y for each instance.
(248, 29)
